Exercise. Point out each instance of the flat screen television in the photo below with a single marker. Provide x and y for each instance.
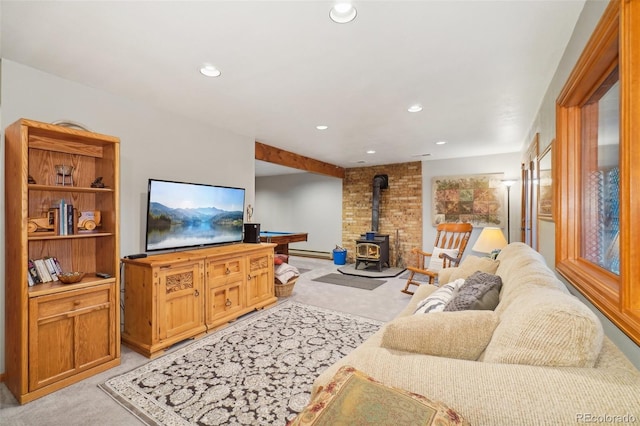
(182, 215)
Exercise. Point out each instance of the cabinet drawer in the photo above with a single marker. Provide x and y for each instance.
(226, 271)
(75, 300)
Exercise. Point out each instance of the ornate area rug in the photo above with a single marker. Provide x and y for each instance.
(257, 371)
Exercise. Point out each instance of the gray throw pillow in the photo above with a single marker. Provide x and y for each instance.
(475, 287)
(488, 301)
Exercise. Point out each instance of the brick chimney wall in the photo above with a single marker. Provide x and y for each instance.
(400, 208)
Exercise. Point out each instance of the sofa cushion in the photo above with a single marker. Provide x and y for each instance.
(468, 266)
(437, 300)
(352, 397)
(473, 289)
(461, 335)
(436, 262)
(521, 269)
(547, 327)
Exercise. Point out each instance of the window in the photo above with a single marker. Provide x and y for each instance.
(598, 164)
(601, 177)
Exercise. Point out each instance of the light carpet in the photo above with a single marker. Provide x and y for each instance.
(350, 281)
(417, 277)
(258, 371)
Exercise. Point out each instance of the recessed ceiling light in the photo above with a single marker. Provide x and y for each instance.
(441, 142)
(210, 70)
(415, 108)
(343, 12)
(322, 127)
(371, 151)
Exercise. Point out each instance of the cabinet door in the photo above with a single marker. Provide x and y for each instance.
(224, 302)
(179, 299)
(225, 288)
(70, 332)
(260, 277)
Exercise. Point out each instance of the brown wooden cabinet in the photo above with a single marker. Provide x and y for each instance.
(260, 280)
(225, 289)
(162, 301)
(57, 334)
(179, 299)
(70, 332)
(172, 297)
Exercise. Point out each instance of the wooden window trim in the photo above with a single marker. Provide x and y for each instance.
(530, 231)
(614, 43)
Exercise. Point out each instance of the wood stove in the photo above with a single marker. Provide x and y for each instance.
(373, 251)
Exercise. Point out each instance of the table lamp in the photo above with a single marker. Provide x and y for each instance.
(491, 241)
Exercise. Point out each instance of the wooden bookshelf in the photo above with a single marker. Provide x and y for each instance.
(57, 334)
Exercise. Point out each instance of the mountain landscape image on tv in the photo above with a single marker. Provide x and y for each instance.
(181, 215)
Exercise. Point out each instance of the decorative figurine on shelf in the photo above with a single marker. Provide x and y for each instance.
(249, 213)
(64, 174)
(43, 225)
(97, 183)
(31, 180)
(89, 220)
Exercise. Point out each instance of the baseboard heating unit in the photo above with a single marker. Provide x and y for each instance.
(311, 253)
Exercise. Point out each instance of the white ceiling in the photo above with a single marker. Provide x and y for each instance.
(479, 68)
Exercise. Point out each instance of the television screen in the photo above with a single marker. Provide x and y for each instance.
(181, 215)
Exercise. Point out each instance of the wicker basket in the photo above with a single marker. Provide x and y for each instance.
(284, 290)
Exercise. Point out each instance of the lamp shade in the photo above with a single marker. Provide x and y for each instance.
(489, 240)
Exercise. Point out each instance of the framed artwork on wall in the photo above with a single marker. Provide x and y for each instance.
(476, 199)
(545, 184)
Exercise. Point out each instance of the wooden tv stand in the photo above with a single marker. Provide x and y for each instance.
(172, 297)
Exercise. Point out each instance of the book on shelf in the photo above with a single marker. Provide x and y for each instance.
(51, 268)
(56, 264)
(43, 271)
(62, 223)
(67, 223)
(33, 272)
(71, 222)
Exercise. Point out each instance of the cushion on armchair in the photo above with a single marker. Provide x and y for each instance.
(436, 262)
(354, 398)
(461, 335)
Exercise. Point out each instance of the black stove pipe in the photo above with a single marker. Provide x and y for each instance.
(380, 182)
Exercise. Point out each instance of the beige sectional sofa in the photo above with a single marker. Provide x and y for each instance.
(540, 358)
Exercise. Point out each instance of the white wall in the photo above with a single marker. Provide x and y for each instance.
(545, 124)
(154, 144)
(301, 202)
(509, 164)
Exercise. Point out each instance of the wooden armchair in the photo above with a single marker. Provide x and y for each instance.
(449, 236)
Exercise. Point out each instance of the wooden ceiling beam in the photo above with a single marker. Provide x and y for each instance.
(279, 156)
